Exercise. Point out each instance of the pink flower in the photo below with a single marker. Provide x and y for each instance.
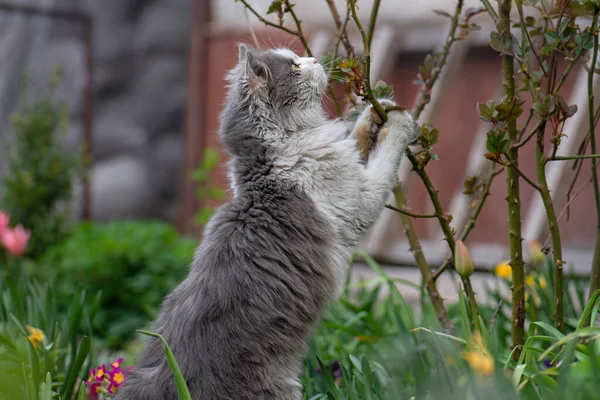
(112, 389)
(100, 373)
(91, 377)
(117, 363)
(15, 240)
(4, 220)
(95, 389)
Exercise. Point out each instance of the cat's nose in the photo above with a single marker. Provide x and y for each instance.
(308, 61)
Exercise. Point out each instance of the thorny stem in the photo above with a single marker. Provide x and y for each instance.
(435, 200)
(425, 96)
(410, 214)
(300, 32)
(428, 282)
(423, 100)
(474, 215)
(415, 245)
(341, 28)
(267, 22)
(531, 183)
(473, 303)
(580, 157)
(367, 62)
(565, 74)
(522, 132)
(524, 29)
(531, 134)
(595, 277)
(373, 20)
(553, 226)
(490, 10)
(543, 186)
(514, 202)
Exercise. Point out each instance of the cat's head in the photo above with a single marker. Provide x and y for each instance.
(277, 81)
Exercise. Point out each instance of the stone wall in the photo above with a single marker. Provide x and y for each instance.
(140, 56)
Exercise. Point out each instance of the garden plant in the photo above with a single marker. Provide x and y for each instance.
(72, 296)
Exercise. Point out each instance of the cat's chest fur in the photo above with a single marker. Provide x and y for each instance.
(323, 162)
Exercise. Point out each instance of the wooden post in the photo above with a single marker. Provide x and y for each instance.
(194, 136)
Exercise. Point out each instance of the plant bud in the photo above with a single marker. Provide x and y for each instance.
(462, 260)
(535, 250)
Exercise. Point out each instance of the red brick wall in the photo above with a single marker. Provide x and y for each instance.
(457, 118)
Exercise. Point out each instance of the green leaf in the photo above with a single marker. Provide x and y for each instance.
(487, 111)
(182, 390)
(502, 43)
(332, 387)
(46, 388)
(75, 367)
(276, 7)
(442, 13)
(383, 91)
(592, 304)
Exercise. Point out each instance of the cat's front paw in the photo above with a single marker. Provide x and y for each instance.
(370, 130)
(399, 127)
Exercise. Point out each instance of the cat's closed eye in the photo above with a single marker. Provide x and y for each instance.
(295, 65)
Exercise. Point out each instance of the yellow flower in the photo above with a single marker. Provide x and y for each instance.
(118, 378)
(478, 357)
(504, 270)
(529, 281)
(36, 336)
(543, 283)
(481, 363)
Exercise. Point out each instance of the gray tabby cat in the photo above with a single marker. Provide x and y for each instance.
(277, 253)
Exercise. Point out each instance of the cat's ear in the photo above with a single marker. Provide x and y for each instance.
(251, 65)
(243, 52)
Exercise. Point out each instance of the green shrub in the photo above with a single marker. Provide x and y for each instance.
(38, 183)
(133, 264)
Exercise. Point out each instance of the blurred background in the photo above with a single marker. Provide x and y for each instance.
(144, 84)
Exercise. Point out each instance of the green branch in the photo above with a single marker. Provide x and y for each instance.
(595, 276)
(553, 226)
(474, 215)
(267, 22)
(420, 107)
(526, 32)
(373, 20)
(435, 200)
(425, 96)
(415, 246)
(513, 198)
(341, 27)
(367, 61)
(300, 32)
(410, 214)
(579, 157)
(490, 10)
(529, 136)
